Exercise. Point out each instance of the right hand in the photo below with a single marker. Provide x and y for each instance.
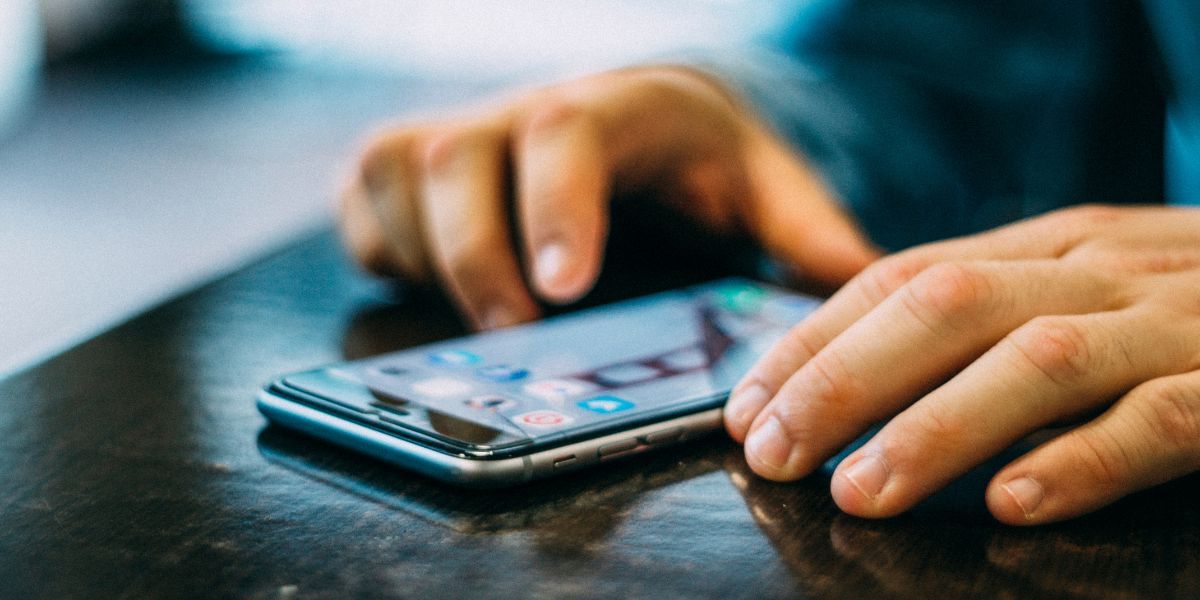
(432, 199)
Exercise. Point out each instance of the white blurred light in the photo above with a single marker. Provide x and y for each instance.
(20, 58)
(502, 39)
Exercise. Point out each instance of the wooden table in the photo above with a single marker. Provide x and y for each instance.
(135, 465)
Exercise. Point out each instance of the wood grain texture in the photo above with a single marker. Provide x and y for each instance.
(135, 465)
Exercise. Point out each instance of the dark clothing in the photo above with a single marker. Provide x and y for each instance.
(936, 118)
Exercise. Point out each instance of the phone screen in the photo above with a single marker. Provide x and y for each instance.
(572, 375)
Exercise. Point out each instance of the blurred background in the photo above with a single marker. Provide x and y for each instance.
(147, 146)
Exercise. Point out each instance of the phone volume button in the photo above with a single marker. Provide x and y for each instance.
(663, 436)
(614, 448)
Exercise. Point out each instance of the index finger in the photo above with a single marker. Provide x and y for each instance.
(562, 182)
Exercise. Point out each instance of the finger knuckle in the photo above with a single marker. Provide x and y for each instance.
(439, 148)
(471, 255)
(948, 292)
(1100, 255)
(370, 251)
(794, 415)
(552, 112)
(1101, 458)
(941, 428)
(887, 275)
(1084, 217)
(1089, 215)
(828, 385)
(384, 158)
(651, 84)
(377, 255)
(802, 343)
(1059, 348)
(1165, 261)
(1173, 411)
(1072, 226)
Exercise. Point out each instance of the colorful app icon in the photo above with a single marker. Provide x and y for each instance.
(557, 391)
(491, 402)
(441, 387)
(741, 298)
(605, 405)
(543, 419)
(626, 374)
(502, 373)
(454, 358)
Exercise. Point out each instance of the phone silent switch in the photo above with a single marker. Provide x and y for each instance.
(565, 461)
(614, 448)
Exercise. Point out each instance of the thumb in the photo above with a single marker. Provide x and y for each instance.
(799, 222)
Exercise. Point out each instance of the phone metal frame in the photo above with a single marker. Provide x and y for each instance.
(481, 471)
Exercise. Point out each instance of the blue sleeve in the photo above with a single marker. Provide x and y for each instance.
(931, 119)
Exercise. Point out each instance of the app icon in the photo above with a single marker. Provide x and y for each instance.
(740, 298)
(454, 358)
(543, 418)
(502, 373)
(626, 374)
(605, 405)
(491, 402)
(557, 391)
(441, 387)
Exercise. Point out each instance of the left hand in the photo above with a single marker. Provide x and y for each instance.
(1088, 315)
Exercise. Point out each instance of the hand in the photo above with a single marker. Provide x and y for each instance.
(431, 199)
(970, 344)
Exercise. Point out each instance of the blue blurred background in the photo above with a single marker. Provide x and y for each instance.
(149, 145)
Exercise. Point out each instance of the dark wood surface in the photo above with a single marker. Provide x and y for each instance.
(135, 465)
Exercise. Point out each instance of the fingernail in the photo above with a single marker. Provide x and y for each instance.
(1027, 493)
(868, 475)
(769, 444)
(496, 317)
(744, 404)
(549, 264)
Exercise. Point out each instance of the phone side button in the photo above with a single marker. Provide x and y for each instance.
(608, 450)
(565, 461)
(664, 436)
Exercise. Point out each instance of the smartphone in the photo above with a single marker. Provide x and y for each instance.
(509, 406)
